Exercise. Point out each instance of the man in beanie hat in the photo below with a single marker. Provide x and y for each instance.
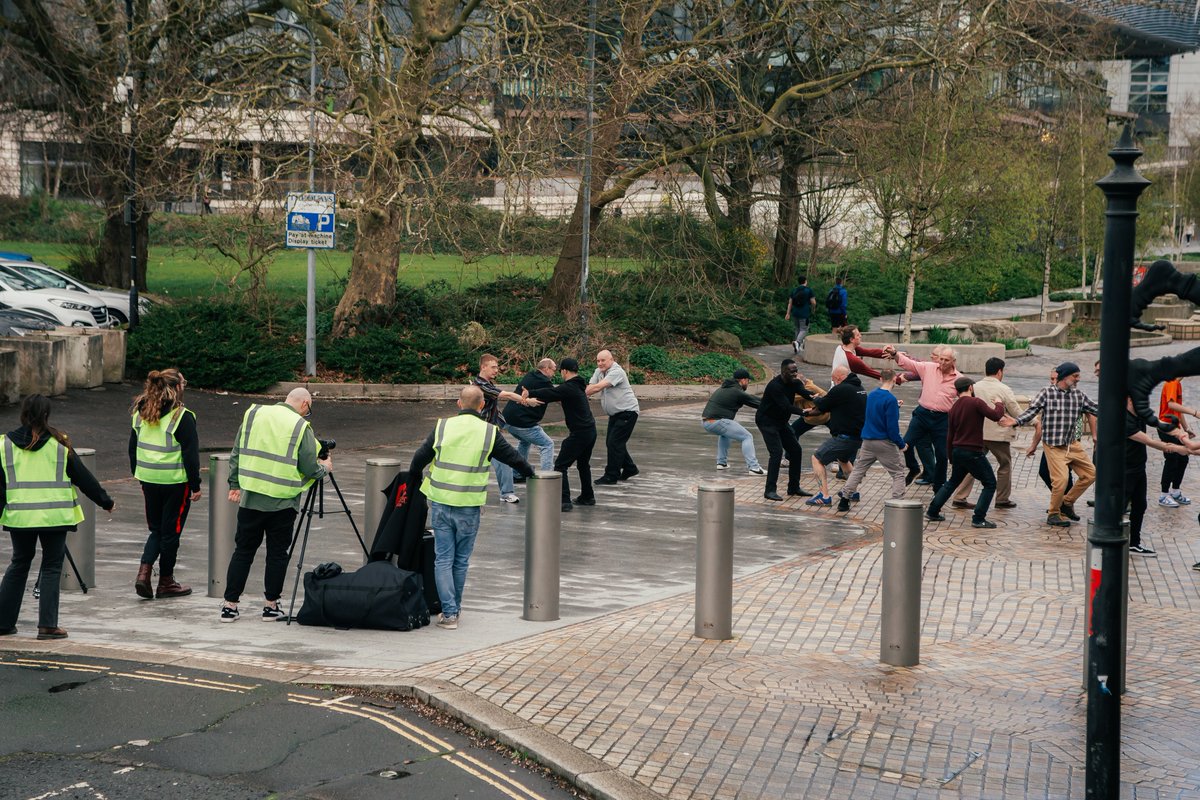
(1061, 406)
(718, 419)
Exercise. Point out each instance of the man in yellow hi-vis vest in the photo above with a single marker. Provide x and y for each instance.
(274, 460)
(460, 448)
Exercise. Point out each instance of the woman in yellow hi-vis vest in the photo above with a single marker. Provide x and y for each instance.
(38, 503)
(164, 455)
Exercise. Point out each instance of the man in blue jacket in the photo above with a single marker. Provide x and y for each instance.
(881, 441)
(836, 304)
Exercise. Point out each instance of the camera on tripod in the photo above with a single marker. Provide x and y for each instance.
(326, 445)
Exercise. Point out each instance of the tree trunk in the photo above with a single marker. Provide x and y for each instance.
(814, 248)
(1045, 284)
(909, 293)
(787, 226)
(371, 290)
(112, 265)
(562, 292)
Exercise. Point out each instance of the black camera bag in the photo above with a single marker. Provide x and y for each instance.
(378, 595)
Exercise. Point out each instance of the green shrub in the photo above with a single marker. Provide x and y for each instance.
(651, 357)
(216, 345)
(400, 354)
(939, 335)
(1013, 344)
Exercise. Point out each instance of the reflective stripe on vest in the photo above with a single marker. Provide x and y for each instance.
(159, 456)
(459, 475)
(269, 450)
(38, 493)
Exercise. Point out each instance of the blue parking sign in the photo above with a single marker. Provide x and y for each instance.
(311, 219)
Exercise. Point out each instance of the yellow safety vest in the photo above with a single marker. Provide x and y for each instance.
(159, 456)
(38, 493)
(459, 475)
(269, 449)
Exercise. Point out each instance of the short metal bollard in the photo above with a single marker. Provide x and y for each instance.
(222, 523)
(82, 544)
(380, 473)
(543, 534)
(900, 616)
(1121, 683)
(714, 562)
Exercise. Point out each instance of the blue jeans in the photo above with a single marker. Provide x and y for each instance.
(454, 531)
(525, 437)
(926, 437)
(727, 430)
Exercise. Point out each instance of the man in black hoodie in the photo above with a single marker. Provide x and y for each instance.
(581, 438)
(774, 411)
(846, 403)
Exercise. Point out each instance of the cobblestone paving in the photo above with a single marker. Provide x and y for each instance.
(797, 705)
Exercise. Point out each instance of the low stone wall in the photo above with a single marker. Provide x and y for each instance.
(84, 355)
(114, 354)
(920, 333)
(10, 377)
(818, 350)
(1050, 334)
(41, 363)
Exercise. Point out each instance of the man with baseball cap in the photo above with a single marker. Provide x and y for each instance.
(718, 419)
(1061, 406)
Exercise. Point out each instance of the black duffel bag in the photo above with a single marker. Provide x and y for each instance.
(378, 595)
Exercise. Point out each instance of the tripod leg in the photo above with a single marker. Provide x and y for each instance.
(306, 521)
(305, 510)
(75, 569)
(349, 516)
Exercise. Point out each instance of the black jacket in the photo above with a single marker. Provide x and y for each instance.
(502, 451)
(519, 416)
(725, 402)
(847, 407)
(189, 445)
(776, 406)
(573, 396)
(76, 471)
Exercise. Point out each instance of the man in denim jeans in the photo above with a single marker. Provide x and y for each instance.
(460, 448)
(718, 419)
(522, 421)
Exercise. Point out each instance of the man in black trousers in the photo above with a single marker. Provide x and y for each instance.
(772, 418)
(581, 438)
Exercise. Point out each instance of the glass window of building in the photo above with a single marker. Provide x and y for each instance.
(1148, 85)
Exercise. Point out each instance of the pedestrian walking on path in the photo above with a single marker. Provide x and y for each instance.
(1061, 407)
(581, 433)
(274, 459)
(846, 404)
(801, 302)
(459, 448)
(771, 418)
(39, 472)
(881, 441)
(621, 404)
(968, 454)
(836, 305)
(164, 456)
(996, 438)
(718, 419)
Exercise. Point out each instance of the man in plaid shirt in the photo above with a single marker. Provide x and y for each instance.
(1061, 407)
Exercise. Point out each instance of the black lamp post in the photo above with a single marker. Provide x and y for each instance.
(1106, 538)
(131, 206)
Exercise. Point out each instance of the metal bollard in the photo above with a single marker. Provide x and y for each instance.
(222, 523)
(543, 534)
(900, 616)
(714, 562)
(380, 472)
(82, 543)
(1087, 605)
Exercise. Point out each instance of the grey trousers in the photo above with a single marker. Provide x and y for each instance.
(888, 456)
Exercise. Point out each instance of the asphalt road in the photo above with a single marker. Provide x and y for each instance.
(86, 729)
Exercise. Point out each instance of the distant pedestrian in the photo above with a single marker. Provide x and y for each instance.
(522, 420)
(846, 404)
(621, 404)
(718, 419)
(967, 451)
(771, 418)
(1188, 232)
(836, 305)
(39, 472)
(1172, 410)
(881, 441)
(996, 439)
(489, 368)
(801, 302)
(459, 447)
(164, 456)
(581, 433)
(1062, 407)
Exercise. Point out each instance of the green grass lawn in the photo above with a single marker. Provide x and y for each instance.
(184, 272)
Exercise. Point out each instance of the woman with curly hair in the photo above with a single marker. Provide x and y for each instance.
(164, 455)
(38, 504)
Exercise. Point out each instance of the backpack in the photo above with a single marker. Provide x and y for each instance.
(833, 300)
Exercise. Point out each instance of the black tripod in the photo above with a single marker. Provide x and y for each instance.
(314, 503)
(37, 591)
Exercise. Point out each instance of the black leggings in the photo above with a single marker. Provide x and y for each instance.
(1174, 465)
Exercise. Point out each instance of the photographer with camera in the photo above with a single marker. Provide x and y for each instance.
(275, 458)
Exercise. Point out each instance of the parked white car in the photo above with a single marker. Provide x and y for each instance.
(50, 278)
(61, 307)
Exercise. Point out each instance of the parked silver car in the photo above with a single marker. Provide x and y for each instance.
(50, 278)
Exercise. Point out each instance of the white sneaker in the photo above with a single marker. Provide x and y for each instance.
(757, 471)
(722, 466)
(795, 347)
(1178, 497)
(1166, 501)
(510, 498)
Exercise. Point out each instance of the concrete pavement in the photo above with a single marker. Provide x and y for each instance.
(621, 697)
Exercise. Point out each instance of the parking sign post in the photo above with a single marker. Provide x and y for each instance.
(311, 225)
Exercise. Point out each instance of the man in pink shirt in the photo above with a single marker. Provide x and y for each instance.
(927, 428)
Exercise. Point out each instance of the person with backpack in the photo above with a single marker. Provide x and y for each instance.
(835, 305)
(801, 302)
